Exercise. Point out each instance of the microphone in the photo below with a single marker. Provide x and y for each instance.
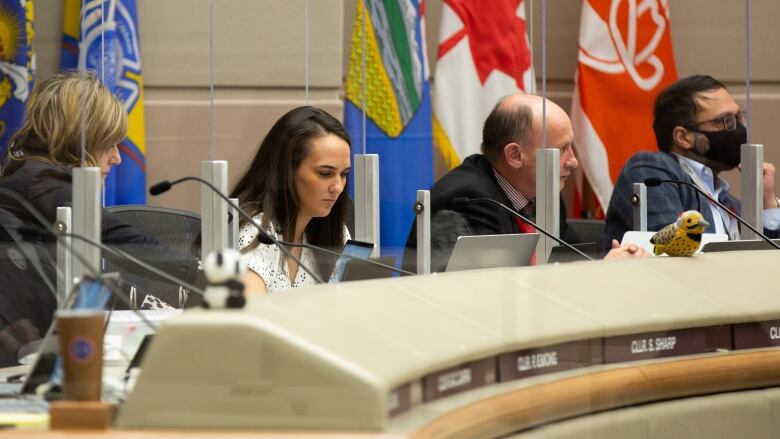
(655, 181)
(33, 232)
(264, 237)
(159, 188)
(464, 201)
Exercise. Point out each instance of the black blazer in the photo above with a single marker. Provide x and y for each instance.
(47, 186)
(23, 295)
(474, 178)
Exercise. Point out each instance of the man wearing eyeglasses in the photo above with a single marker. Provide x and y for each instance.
(699, 130)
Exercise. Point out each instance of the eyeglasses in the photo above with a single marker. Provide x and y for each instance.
(728, 121)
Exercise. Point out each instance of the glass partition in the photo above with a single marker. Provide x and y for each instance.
(524, 119)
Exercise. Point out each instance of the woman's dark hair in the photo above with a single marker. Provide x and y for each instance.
(268, 185)
(676, 106)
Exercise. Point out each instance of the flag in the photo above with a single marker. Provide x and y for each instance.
(17, 65)
(102, 36)
(398, 108)
(484, 54)
(625, 58)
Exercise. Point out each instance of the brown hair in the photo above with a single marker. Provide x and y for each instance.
(268, 185)
(65, 110)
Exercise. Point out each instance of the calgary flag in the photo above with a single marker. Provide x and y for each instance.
(625, 58)
(483, 55)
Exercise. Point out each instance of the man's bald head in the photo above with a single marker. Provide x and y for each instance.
(517, 118)
(513, 133)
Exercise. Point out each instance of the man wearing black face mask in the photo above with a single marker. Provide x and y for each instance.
(699, 130)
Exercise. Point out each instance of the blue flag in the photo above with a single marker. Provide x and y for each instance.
(398, 109)
(17, 65)
(102, 36)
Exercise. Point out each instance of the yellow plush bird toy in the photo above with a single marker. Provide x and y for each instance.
(681, 238)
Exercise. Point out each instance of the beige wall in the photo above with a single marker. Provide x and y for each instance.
(259, 75)
(259, 69)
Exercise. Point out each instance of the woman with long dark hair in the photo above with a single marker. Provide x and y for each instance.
(295, 188)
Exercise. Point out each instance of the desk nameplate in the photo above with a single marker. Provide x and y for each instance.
(661, 344)
(757, 334)
(459, 378)
(548, 359)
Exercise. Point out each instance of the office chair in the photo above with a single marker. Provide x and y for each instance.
(588, 230)
(446, 227)
(179, 229)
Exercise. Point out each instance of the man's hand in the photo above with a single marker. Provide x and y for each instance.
(625, 251)
(770, 201)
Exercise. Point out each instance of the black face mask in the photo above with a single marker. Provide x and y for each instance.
(726, 146)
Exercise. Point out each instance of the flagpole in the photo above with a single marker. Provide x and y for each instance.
(212, 113)
(83, 98)
(530, 22)
(747, 67)
(363, 74)
(306, 49)
(103, 72)
(544, 73)
(363, 87)
(102, 42)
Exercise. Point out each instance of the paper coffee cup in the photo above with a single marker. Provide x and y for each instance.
(81, 345)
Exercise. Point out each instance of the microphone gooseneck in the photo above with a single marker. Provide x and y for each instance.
(655, 181)
(263, 236)
(122, 254)
(267, 239)
(463, 201)
(335, 253)
(28, 231)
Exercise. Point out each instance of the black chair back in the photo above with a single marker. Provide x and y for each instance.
(179, 229)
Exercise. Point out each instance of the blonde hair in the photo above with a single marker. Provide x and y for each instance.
(63, 110)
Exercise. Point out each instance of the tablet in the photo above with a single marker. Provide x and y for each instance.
(351, 248)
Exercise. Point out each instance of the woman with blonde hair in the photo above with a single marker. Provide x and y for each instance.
(73, 120)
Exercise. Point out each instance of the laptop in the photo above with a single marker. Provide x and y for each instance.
(491, 251)
(561, 253)
(728, 246)
(22, 397)
(355, 248)
(356, 269)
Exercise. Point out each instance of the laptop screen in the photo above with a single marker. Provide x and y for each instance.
(351, 248)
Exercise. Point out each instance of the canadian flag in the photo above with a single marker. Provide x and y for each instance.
(625, 58)
(483, 55)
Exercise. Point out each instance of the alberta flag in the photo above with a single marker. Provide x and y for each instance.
(102, 36)
(17, 65)
(398, 108)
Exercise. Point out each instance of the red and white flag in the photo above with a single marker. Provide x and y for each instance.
(483, 55)
(625, 58)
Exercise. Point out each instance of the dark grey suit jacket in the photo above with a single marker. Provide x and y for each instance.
(665, 203)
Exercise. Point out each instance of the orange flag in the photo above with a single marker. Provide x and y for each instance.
(625, 58)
